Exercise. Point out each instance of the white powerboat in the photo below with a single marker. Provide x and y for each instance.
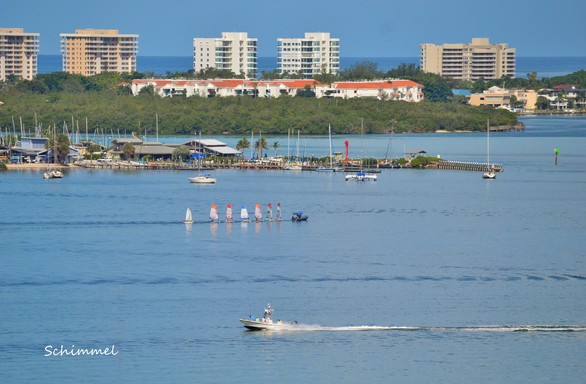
(53, 174)
(263, 323)
(202, 179)
(361, 176)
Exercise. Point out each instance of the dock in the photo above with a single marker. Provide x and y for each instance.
(465, 166)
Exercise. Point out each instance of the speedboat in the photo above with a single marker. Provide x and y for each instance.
(261, 324)
(299, 216)
(202, 179)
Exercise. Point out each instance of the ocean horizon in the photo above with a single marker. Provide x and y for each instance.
(545, 67)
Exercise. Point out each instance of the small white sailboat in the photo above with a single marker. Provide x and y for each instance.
(257, 213)
(490, 173)
(229, 213)
(278, 212)
(188, 217)
(270, 212)
(244, 214)
(214, 218)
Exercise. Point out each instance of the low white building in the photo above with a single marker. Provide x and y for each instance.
(405, 90)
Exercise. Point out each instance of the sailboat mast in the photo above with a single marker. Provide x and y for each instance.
(330, 134)
(488, 143)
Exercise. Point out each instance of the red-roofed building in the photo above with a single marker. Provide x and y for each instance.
(406, 90)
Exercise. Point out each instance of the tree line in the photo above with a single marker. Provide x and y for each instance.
(107, 104)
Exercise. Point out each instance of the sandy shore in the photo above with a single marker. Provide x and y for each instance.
(34, 166)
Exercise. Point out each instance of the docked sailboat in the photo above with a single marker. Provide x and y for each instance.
(188, 217)
(214, 218)
(229, 213)
(331, 168)
(490, 172)
(244, 214)
(293, 166)
(257, 213)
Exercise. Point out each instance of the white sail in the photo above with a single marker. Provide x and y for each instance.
(188, 217)
(257, 212)
(229, 213)
(214, 213)
(278, 211)
(270, 212)
(244, 213)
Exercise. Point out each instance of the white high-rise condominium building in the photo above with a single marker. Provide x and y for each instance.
(312, 55)
(234, 51)
(19, 53)
(473, 61)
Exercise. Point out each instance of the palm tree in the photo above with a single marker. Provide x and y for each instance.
(260, 145)
(242, 144)
(276, 146)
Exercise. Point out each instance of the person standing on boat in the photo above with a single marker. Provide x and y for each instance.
(268, 312)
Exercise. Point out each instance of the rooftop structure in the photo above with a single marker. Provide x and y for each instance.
(234, 52)
(92, 51)
(477, 60)
(19, 53)
(314, 54)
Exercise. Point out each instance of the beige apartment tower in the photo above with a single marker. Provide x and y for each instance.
(312, 55)
(473, 61)
(234, 52)
(19, 52)
(91, 51)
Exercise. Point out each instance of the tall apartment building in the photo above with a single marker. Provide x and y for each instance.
(473, 61)
(19, 53)
(234, 51)
(316, 53)
(91, 51)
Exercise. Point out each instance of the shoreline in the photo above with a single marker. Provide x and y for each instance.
(41, 166)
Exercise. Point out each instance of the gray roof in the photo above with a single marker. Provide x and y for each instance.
(224, 150)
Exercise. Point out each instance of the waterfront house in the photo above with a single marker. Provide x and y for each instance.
(393, 89)
(501, 98)
(28, 148)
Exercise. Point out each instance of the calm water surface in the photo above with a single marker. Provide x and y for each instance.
(420, 276)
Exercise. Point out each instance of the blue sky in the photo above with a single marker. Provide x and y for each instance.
(366, 28)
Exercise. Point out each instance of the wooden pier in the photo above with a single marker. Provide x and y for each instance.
(465, 166)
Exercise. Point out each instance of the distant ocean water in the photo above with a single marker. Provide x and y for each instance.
(160, 65)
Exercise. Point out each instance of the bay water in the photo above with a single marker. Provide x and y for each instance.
(160, 65)
(421, 276)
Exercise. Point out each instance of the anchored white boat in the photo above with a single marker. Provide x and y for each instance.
(361, 176)
(202, 179)
(490, 172)
(53, 174)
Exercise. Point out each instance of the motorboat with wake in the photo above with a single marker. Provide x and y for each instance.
(265, 322)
